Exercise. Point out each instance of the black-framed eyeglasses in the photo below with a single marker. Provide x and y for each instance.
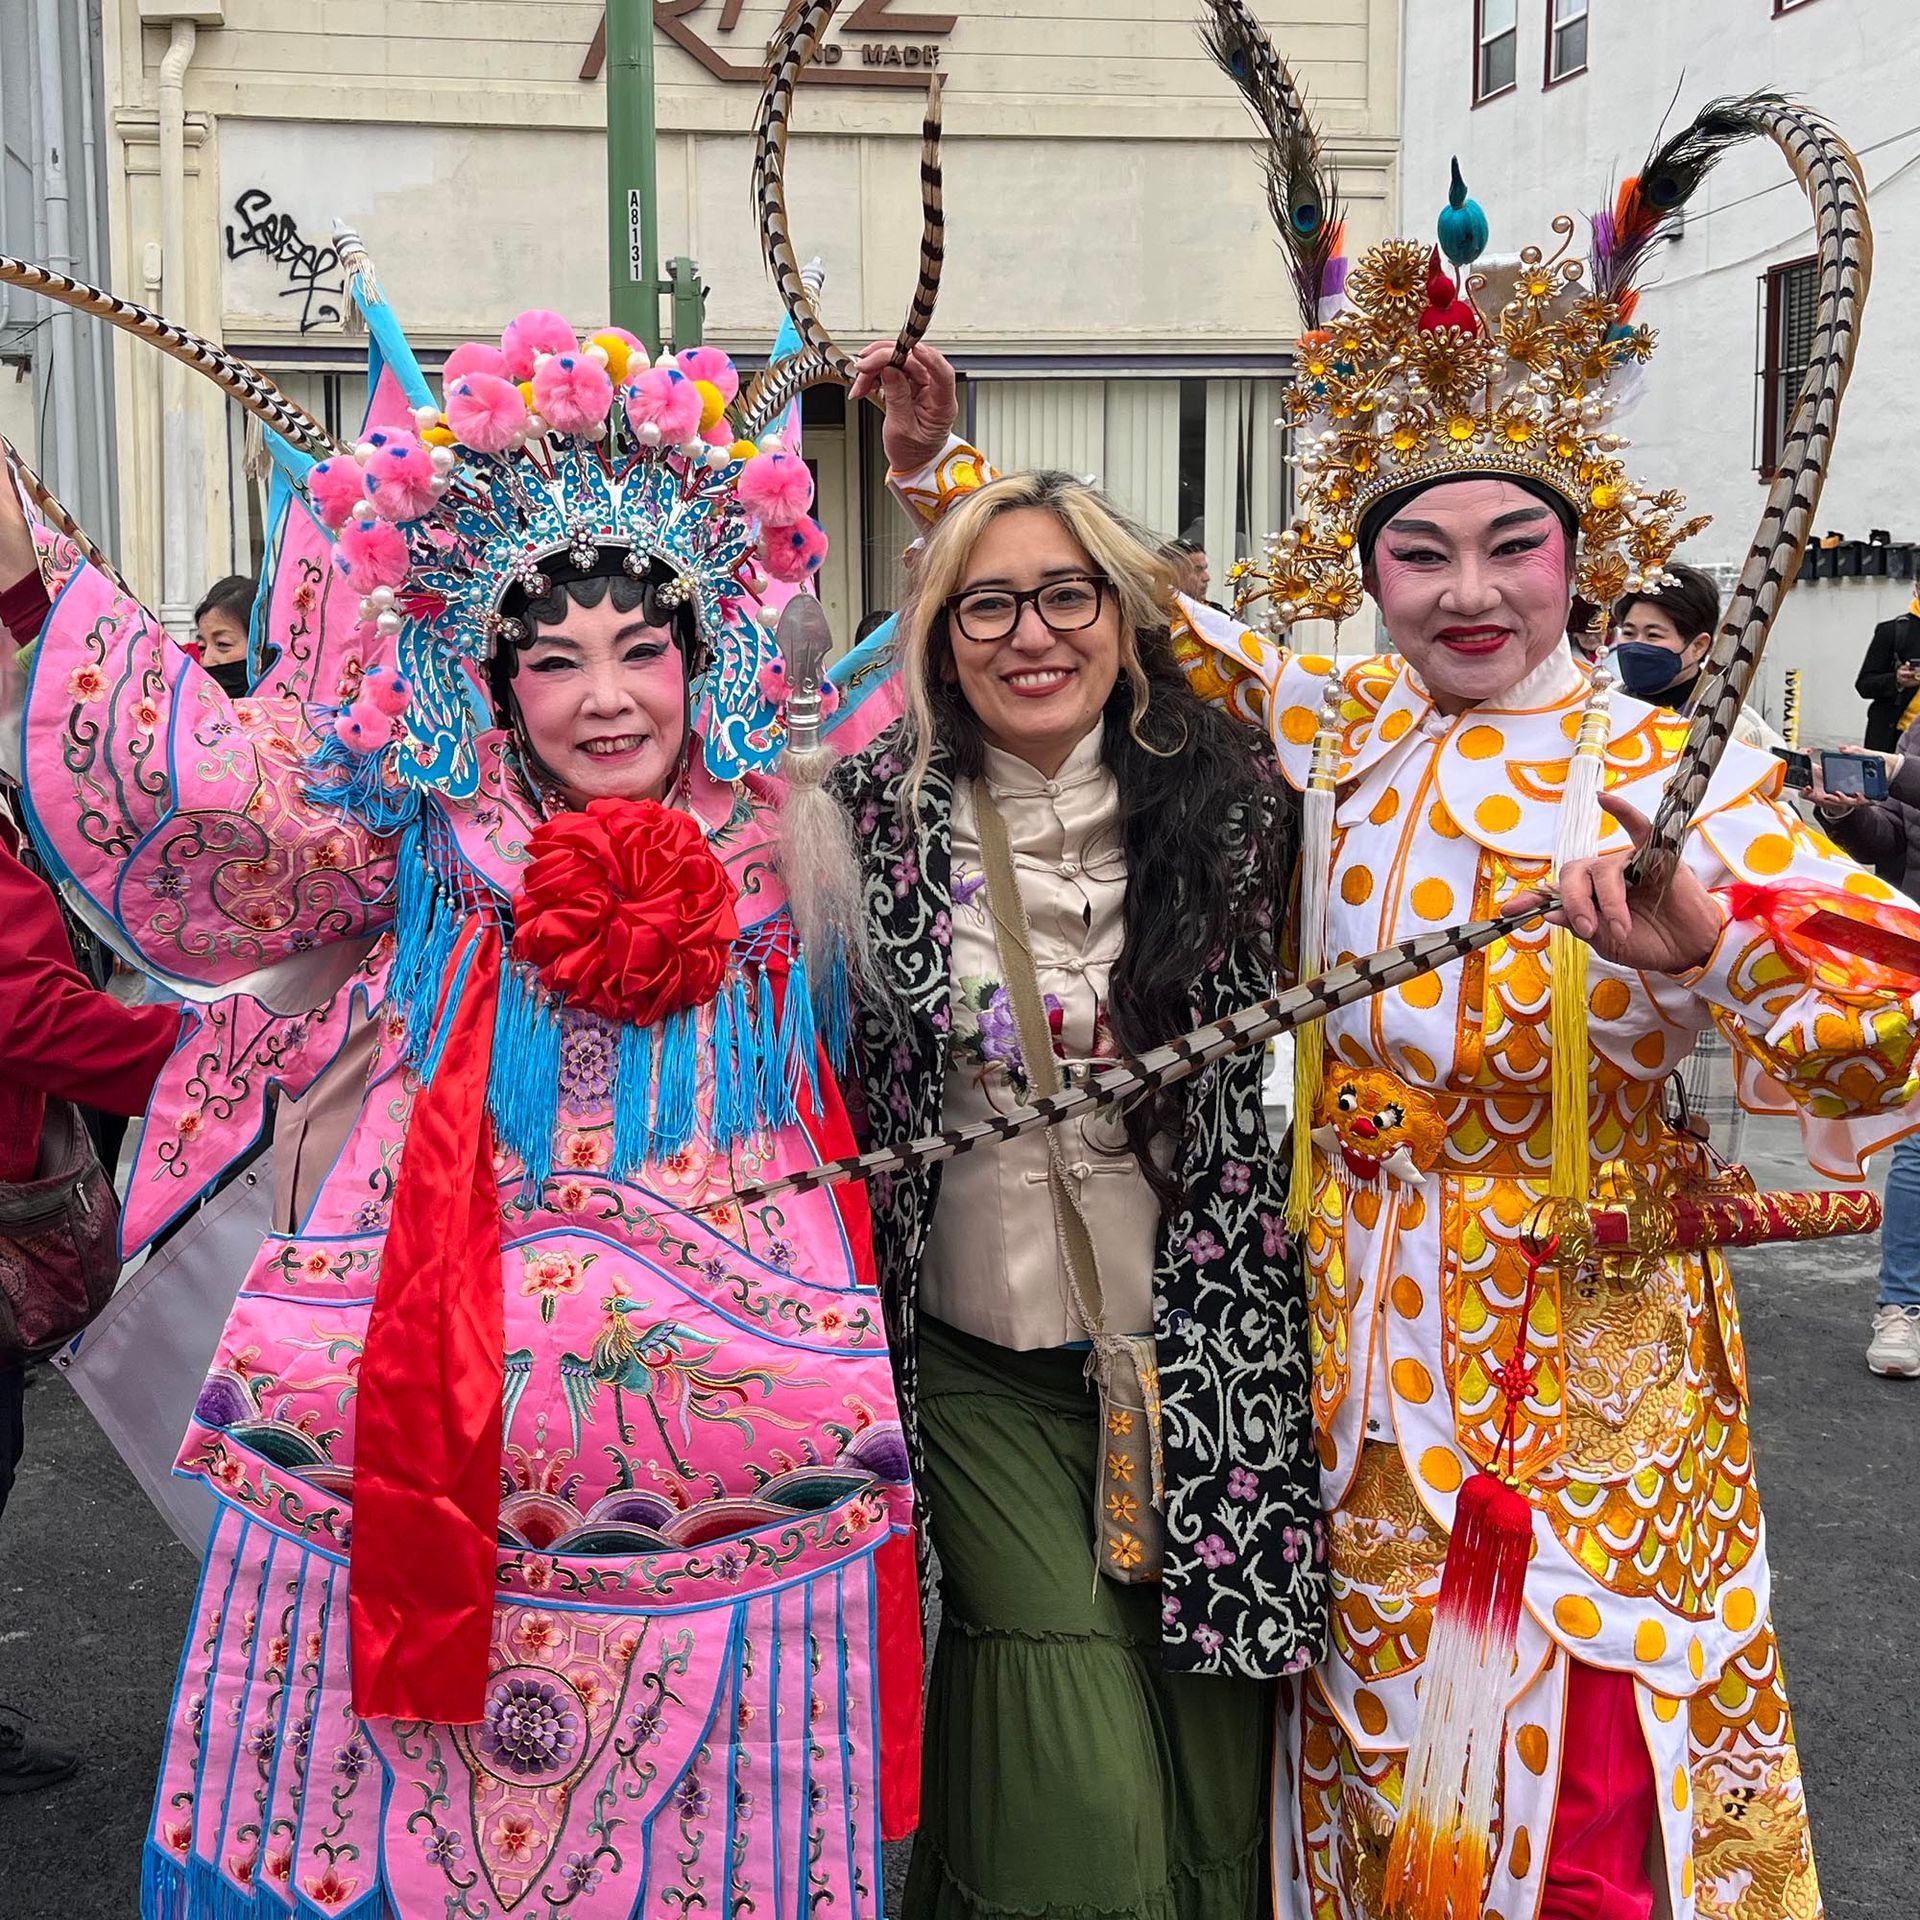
(1066, 605)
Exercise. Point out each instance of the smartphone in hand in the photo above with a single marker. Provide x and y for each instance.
(1858, 775)
(1799, 768)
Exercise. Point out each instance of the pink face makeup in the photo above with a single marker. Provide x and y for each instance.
(1474, 578)
(603, 698)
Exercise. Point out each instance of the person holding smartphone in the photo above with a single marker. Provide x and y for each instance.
(1885, 835)
(1889, 678)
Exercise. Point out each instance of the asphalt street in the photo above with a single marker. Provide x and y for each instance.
(94, 1590)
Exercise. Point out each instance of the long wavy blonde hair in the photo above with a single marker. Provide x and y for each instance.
(1142, 586)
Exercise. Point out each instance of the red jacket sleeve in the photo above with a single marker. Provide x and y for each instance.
(60, 1035)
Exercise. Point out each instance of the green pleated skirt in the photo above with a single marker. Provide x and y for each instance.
(1066, 1775)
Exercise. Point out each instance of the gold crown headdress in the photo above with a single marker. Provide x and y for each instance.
(1413, 368)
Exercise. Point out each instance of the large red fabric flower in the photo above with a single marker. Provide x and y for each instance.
(625, 911)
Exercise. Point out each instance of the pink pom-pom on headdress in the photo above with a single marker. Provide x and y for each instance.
(387, 689)
(363, 728)
(336, 487)
(792, 553)
(664, 398)
(773, 682)
(485, 412)
(709, 363)
(532, 333)
(777, 487)
(477, 356)
(400, 478)
(371, 553)
(572, 392)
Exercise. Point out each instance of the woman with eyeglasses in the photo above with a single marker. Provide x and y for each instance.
(1064, 845)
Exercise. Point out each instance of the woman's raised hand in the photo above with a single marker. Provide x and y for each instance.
(921, 399)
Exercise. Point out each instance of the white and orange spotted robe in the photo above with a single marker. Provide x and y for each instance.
(1650, 1551)
(1649, 1546)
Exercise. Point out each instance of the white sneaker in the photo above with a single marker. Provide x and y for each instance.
(1895, 1347)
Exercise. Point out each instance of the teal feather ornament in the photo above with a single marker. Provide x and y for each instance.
(1463, 226)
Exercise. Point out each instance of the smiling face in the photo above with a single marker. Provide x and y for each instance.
(1474, 578)
(1037, 692)
(603, 698)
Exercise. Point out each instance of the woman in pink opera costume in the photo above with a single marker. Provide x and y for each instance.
(562, 1562)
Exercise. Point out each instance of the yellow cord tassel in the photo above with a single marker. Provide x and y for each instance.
(1572, 1056)
(1316, 874)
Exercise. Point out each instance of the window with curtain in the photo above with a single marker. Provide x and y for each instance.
(1496, 36)
(1566, 39)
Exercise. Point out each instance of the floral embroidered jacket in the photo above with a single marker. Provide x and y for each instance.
(703, 1566)
(1244, 1589)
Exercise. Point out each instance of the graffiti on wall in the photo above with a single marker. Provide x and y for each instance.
(311, 275)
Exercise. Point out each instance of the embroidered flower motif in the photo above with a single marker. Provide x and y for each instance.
(1273, 1236)
(1215, 1553)
(1126, 1552)
(692, 1797)
(331, 1888)
(528, 1728)
(906, 873)
(571, 1196)
(782, 1254)
(624, 910)
(187, 1125)
(538, 1634)
(353, 1759)
(1203, 1249)
(1234, 1177)
(550, 1272)
(586, 1064)
(513, 1838)
(1169, 1609)
(1242, 1485)
(1208, 1639)
(1295, 1544)
(445, 1848)
(831, 1321)
(644, 1724)
(587, 1152)
(1123, 1507)
(166, 883)
(145, 715)
(86, 684)
(580, 1874)
(279, 1865)
(370, 1217)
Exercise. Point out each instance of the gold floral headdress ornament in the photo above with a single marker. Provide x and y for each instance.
(1424, 363)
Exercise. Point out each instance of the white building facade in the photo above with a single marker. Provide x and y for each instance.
(1113, 294)
(1520, 89)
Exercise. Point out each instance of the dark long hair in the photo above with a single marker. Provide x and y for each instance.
(1204, 821)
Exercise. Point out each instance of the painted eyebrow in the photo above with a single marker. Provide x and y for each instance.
(1428, 527)
(1519, 517)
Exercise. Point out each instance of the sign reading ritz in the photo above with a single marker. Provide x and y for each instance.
(705, 29)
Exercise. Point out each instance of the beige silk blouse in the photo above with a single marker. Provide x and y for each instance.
(993, 1265)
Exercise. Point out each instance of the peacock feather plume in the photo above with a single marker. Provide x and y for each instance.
(1301, 189)
(1649, 204)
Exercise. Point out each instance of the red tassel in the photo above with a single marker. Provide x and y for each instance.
(1442, 1842)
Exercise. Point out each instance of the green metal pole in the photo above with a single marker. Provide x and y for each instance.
(633, 219)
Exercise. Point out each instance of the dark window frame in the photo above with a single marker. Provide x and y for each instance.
(1548, 78)
(1787, 295)
(1479, 49)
